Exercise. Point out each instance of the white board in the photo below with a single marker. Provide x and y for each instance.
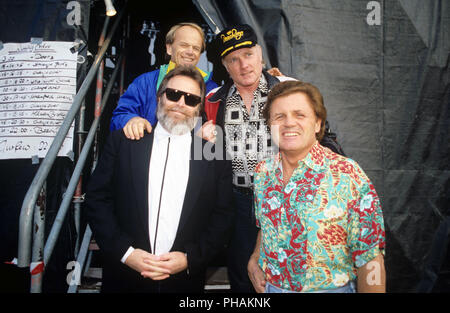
(37, 87)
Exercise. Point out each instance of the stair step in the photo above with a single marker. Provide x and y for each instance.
(216, 288)
(217, 279)
(94, 272)
(90, 288)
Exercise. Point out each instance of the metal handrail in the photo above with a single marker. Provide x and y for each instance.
(65, 204)
(81, 259)
(26, 213)
(78, 191)
(53, 236)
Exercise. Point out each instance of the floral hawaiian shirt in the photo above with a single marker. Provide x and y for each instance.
(319, 228)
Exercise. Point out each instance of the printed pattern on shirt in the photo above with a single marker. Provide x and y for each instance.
(319, 228)
(247, 135)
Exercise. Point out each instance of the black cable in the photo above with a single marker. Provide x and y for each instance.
(160, 196)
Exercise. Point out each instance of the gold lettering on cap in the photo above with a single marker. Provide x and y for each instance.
(232, 34)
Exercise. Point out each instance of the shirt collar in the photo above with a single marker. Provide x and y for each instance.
(262, 87)
(315, 159)
(172, 65)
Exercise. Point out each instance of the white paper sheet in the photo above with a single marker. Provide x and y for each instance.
(37, 87)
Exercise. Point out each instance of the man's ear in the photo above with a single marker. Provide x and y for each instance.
(158, 101)
(318, 125)
(259, 49)
(169, 49)
(224, 63)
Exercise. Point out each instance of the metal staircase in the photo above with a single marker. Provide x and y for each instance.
(33, 252)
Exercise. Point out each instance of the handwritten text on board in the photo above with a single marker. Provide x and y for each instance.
(37, 87)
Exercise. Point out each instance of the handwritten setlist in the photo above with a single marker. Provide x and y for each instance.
(37, 87)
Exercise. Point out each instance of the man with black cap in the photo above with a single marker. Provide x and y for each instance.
(236, 108)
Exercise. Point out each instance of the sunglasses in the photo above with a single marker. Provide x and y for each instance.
(175, 95)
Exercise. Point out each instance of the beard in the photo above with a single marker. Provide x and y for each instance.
(175, 127)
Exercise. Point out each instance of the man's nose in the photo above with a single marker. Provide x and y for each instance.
(181, 101)
(243, 63)
(190, 50)
(289, 121)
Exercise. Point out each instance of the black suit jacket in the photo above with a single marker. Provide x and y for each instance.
(117, 211)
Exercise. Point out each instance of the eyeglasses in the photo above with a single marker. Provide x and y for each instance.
(189, 99)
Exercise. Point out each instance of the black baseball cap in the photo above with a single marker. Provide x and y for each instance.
(234, 38)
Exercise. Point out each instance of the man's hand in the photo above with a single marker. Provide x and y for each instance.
(256, 275)
(208, 131)
(170, 263)
(134, 128)
(274, 71)
(138, 260)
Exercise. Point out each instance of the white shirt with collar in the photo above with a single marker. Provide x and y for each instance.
(173, 190)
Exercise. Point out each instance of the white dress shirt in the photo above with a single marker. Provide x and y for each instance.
(173, 190)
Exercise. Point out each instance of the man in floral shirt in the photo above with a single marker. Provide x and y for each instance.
(320, 220)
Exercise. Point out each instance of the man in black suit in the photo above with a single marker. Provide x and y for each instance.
(158, 211)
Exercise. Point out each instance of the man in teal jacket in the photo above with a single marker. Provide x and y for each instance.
(136, 111)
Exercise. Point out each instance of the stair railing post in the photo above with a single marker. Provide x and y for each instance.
(37, 260)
